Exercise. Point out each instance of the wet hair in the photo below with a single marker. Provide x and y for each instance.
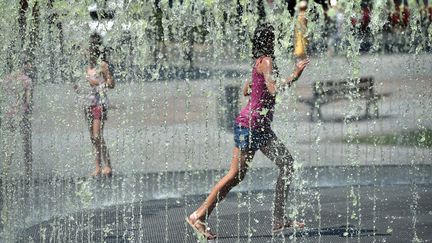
(263, 43)
(95, 48)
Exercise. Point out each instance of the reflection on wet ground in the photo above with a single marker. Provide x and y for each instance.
(246, 217)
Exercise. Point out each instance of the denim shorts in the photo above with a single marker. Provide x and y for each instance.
(251, 139)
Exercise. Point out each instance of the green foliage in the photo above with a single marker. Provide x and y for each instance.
(418, 138)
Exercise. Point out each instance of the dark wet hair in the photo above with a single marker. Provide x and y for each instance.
(263, 43)
(95, 48)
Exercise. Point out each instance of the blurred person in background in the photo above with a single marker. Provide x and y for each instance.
(336, 18)
(300, 32)
(15, 109)
(99, 79)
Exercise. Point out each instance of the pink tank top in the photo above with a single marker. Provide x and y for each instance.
(258, 113)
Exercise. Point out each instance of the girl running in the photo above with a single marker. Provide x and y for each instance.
(252, 132)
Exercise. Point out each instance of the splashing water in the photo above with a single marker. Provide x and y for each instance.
(179, 67)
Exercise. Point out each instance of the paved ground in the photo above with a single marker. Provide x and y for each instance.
(353, 214)
(31, 202)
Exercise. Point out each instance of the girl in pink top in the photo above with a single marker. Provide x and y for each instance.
(253, 132)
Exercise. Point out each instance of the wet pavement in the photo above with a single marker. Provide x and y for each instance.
(339, 214)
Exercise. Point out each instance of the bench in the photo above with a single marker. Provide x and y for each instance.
(330, 91)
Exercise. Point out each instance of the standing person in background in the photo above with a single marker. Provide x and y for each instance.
(300, 33)
(252, 132)
(99, 78)
(336, 19)
(15, 139)
(15, 98)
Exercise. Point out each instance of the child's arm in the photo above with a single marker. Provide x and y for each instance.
(266, 67)
(299, 67)
(272, 86)
(107, 75)
(247, 88)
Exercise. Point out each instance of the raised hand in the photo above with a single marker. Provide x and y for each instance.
(300, 66)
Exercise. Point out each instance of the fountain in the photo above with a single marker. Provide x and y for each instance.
(179, 67)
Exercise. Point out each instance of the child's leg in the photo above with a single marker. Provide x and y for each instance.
(107, 170)
(276, 151)
(234, 176)
(96, 141)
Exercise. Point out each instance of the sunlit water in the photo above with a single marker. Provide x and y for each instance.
(167, 128)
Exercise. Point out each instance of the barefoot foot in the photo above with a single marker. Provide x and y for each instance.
(107, 171)
(96, 173)
(200, 228)
(294, 224)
